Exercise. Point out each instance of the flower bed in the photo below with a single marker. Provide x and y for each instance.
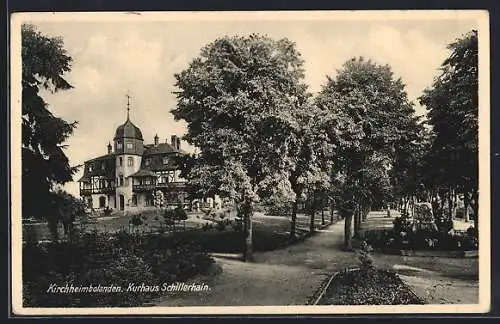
(403, 236)
(368, 286)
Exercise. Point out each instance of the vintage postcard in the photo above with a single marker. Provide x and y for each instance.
(316, 162)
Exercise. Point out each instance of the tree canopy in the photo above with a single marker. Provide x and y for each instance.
(369, 118)
(452, 104)
(238, 98)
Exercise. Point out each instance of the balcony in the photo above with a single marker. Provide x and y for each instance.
(151, 187)
(90, 191)
(143, 187)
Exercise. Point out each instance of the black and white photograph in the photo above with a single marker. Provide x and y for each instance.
(301, 162)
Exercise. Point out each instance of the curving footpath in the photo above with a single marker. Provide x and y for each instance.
(293, 275)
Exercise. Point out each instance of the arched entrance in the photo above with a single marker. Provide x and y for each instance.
(122, 202)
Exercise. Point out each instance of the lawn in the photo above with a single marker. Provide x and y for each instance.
(269, 232)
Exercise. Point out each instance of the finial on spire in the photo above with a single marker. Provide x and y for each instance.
(128, 105)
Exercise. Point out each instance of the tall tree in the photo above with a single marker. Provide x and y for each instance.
(369, 112)
(452, 103)
(311, 154)
(44, 162)
(238, 99)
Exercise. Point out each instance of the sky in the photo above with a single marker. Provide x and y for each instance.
(140, 56)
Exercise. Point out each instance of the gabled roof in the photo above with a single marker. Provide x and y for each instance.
(108, 172)
(103, 157)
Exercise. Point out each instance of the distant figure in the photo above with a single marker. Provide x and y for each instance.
(388, 210)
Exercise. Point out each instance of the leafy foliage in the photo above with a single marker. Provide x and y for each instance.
(452, 103)
(367, 118)
(44, 163)
(238, 99)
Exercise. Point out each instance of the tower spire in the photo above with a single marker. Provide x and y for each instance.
(128, 105)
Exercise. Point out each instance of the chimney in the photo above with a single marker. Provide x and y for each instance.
(178, 143)
(110, 148)
(173, 141)
(156, 140)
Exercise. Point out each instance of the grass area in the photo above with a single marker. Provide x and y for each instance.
(269, 232)
(368, 286)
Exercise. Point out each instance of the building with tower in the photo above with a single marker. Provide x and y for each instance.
(129, 175)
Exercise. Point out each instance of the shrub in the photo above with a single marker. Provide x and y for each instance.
(175, 257)
(100, 259)
(238, 225)
(92, 260)
(220, 226)
(180, 213)
(364, 256)
(402, 224)
(137, 220)
(277, 208)
(108, 211)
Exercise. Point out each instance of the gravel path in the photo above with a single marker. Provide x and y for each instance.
(292, 275)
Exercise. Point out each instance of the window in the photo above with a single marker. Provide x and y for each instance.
(134, 200)
(165, 160)
(130, 161)
(119, 145)
(147, 162)
(103, 166)
(120, 159)
(121, 179)
(91, 167)
(130, 145)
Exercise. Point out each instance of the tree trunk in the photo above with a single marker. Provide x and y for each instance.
(293, 223)
(466, 207)
(348, 233)
(323, 215)
(248, 213)
(366, 212)
(357, 221)
(454, 204)
(313, 213)
(331, 213)
(311, 220)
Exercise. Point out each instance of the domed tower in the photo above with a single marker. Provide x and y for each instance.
(129, 147)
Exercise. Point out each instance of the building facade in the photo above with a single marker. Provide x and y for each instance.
(130, 174)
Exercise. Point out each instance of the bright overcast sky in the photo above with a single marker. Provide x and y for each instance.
(142, 56)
